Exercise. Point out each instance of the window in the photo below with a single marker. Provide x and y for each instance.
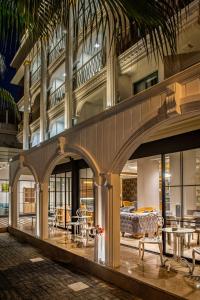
(87, 192)
(60, 197)
(182, 192)
(36, 68)
(4, 202)
(56, 126)
(35, 138)
(145, 83)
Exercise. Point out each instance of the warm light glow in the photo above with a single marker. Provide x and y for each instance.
(88, 182)
(96, 45)
(167, 175)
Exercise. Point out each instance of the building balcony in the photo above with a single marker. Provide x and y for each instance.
(36, 75)
(57, 50)
(89, 69)
(57, 96)
(34, 116)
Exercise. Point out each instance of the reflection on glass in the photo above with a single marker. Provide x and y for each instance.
(182, 196)
(60, 203)
(87, 192)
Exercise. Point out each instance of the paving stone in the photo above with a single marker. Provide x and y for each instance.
(21, 279)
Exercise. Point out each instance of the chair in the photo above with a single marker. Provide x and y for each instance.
(85, 229)
(52, 219)
(194, 252)
(150, 225)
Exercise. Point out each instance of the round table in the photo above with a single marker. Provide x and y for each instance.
(179, 236)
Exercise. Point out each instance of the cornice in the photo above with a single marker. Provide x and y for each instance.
(35, 125)
(56, 110)
(90, 86)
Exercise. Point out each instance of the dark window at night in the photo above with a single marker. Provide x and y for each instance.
(145, 83)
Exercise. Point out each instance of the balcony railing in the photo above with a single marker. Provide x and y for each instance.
(36, 75)
(34, 115)
(57, 96)
(89, 69)
(57, 50)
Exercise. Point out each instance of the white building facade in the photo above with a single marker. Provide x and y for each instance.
(94, 120)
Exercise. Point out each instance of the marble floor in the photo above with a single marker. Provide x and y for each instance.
(130, 241)
(3, 222)
(149, 270)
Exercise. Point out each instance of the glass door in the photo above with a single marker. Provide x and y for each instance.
(60, 203)
(181, 180)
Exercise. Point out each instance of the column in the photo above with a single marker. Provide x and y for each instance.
(26, 105)
(75, 187)
(43, 92)
(13, 211)
(43, 211)
(111, 93)
(109, 218)
(68, 104)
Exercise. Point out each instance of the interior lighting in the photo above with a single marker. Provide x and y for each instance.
(96, 45)
(167, 175)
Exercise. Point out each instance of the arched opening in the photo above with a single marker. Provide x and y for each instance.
(162, 179)
(71, 202)
(4, 194)
(35, 109)
(93, 106)
(26, 202)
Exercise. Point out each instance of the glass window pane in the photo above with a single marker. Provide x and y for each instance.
(191, 196)
(173, 203)
(191, 167)
(173, 169)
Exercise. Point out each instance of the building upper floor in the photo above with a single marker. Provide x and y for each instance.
(80, 78)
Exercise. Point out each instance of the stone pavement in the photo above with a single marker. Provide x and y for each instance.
(21, 278)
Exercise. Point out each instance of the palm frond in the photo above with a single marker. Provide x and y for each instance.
(2, 65)
(156, 21)
(7, 102)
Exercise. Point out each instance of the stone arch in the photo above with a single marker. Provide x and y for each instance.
(70, 151)
(136, 139)
(35, 96)
(19, 172)
(14, 190)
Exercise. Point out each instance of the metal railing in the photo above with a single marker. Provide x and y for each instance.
(36, 75)
(57, 96)
(89, 69)
(57, 50)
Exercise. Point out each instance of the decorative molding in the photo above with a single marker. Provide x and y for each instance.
(27, 62)
(90, 86)
(56, 110)
(61, 144)
(35, 125)
(21, 160)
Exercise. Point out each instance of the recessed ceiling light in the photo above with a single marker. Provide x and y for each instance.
(64, 74)
(96, 45)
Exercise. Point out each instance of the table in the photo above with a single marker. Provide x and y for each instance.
(179, 234)
(82, 225)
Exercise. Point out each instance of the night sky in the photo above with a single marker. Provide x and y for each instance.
(9, 73)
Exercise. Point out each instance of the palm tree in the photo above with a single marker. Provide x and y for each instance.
(156, 21)
(7, 101)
